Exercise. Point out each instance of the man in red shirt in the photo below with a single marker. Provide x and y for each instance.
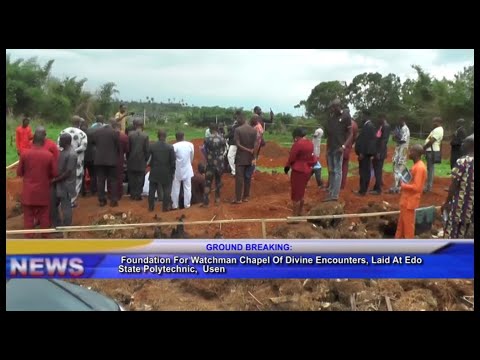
(48, 144)
(23, 136)
(38, 168)
(52, 148)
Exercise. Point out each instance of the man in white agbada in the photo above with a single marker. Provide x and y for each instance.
(79, 145)
(184, 152)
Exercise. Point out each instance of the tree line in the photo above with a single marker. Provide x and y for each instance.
(31, 89)
(418, 100)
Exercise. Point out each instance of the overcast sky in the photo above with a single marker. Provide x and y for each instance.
(241, 78)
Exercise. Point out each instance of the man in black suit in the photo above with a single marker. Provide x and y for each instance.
(245, 138)
(365, 148)
(106, 142)
(383, 134)
(137, 159)
(162, 170)
(88, 161)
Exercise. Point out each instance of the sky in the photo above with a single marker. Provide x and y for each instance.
(270, 78)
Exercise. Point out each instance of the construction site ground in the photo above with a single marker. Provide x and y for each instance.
(270, 198)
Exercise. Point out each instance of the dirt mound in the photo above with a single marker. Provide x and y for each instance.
(329, 208)
(302, 230)
(13, 191)
(119, 218)
(294, 294)
(385, 225)
(417, 300)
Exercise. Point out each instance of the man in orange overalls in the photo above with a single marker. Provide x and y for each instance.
(410, 195)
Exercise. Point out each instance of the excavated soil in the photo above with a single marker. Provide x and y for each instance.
(270, 198)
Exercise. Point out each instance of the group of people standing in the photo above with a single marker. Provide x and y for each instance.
(370, 145)
(55, 174)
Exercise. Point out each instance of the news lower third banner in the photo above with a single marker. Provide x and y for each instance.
(239, 259)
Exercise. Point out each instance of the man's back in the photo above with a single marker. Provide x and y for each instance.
(198, 188)
(52, 148)
(106, 141)
(37, 167)
(184, 153)
(124, 144)
(162, 163)
(90, 152)
(138, 152)
(366, 141)
(382, 144)
(215, 148)
(247, 137)
(67, 161)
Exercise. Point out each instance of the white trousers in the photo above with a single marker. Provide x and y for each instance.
(187, 193)
(232, 152)
(78, 185)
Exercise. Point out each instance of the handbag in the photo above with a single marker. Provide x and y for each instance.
(437, 156)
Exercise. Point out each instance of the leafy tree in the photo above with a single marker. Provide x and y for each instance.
(376, 93)
(316, 104)
(105, 99)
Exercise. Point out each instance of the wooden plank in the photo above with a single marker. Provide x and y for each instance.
(13, 165)
(187, 223)
(389, 303)
(353, 302)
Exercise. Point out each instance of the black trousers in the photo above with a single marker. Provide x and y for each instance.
(242, 182)
(378, 170)
(136, 179)
(365, 168)
(164, 192)
(107, 173)
(455, 154)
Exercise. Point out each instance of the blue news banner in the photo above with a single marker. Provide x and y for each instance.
(250, 259)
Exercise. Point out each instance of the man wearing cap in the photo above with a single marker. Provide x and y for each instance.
(339, 133)
(456, 143)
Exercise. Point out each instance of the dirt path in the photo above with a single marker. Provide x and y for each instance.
(270, 198)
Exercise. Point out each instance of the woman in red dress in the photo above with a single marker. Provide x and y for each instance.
(301, 162)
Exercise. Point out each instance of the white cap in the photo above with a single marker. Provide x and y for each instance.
(318, 132)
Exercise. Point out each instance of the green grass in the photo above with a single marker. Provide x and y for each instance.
(441, 170)
(284, 140)
(269, 170)
(53, 130)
